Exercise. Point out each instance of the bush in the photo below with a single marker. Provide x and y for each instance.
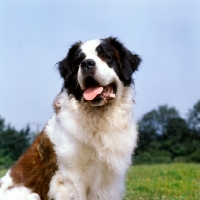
(6, 161)
(152, 158)
(195, 156)
(181, 159)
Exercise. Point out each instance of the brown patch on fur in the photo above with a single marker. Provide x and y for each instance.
(56, 105)
(117, 55)
(10, 187)
(115, 50)
(88, 191)
(36, 166)
(60, 182)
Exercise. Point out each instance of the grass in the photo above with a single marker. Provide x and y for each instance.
(2, 172)
(161, 182)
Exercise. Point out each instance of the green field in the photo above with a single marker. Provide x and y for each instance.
(164, 181)
(161, 182)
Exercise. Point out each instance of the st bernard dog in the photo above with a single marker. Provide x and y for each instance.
(85, 149)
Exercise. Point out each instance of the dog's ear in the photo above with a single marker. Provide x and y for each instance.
(129, 62)
(68, 71)
(65, 66)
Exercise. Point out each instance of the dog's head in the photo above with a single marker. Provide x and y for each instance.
(95, 70)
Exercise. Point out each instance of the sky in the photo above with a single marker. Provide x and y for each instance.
(35, 35)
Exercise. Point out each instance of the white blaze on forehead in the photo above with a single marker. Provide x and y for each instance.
(89, 47)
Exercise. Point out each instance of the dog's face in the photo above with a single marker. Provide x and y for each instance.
(95, 70)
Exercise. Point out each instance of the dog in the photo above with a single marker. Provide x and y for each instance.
(85, 149)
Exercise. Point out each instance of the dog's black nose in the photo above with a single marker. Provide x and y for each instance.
(87, 64)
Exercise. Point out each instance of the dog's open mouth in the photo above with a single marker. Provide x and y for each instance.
(98, 95)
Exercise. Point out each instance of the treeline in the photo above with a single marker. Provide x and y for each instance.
(164, 136)
(13, 143)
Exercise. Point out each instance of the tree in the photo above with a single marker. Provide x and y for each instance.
(165, 136)
(153, 125)
(193, 122)
(2, 124)
(12, 142)
(194, 118)
(176, 139)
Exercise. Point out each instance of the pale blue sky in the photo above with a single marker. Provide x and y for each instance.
(34, 35)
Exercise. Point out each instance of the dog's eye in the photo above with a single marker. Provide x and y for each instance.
(79, 58)
(105, 57)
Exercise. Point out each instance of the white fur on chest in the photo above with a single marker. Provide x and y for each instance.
(93, 149)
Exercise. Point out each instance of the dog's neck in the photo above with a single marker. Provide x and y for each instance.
(115, 112)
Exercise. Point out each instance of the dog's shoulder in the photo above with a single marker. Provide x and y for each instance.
(34, 169)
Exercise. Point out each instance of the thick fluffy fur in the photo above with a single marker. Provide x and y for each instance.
(85, 149)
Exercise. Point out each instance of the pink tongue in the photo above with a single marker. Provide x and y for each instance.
(91, 93)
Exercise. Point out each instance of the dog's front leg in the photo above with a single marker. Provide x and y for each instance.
(68, 187)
